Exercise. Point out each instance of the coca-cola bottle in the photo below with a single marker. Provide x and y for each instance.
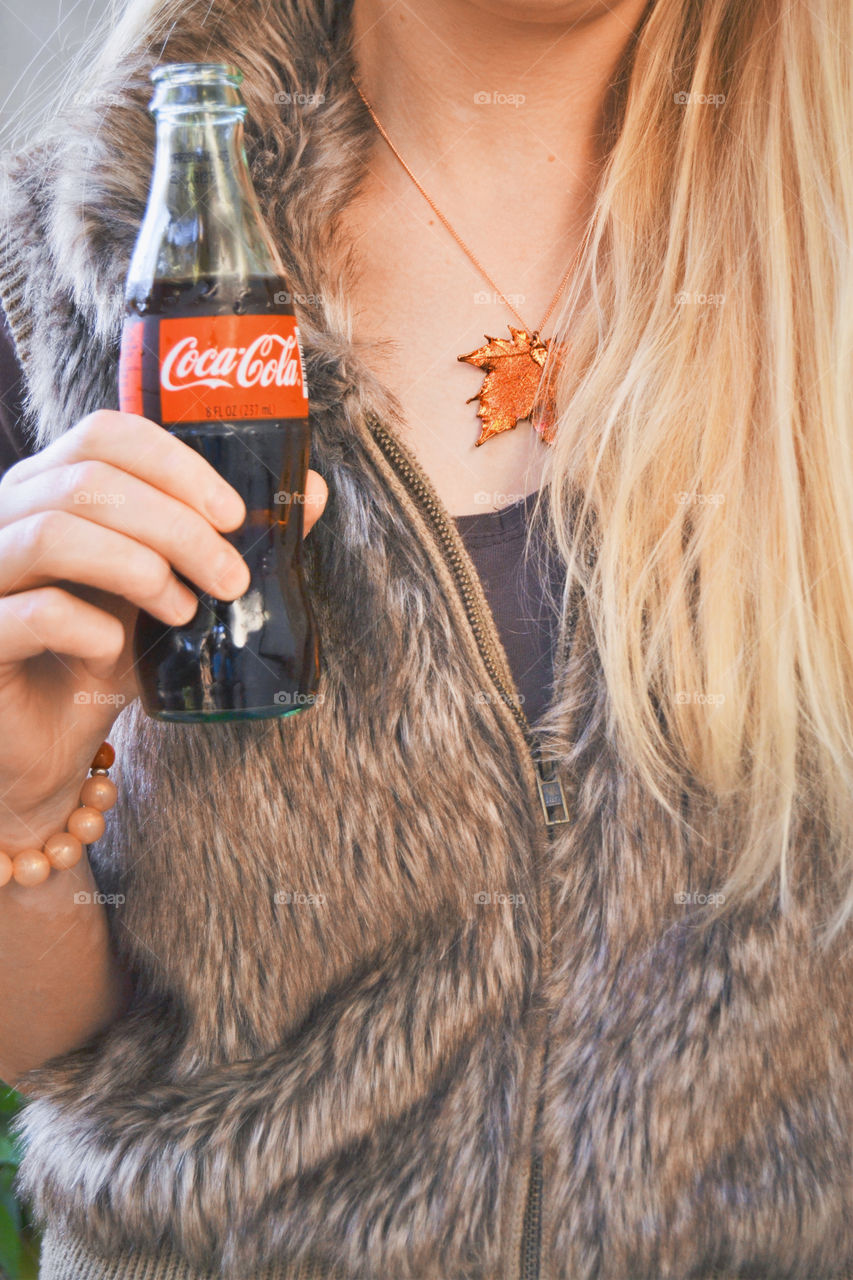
(210, 350)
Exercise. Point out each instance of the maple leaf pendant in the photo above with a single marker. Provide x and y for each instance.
(513, 369)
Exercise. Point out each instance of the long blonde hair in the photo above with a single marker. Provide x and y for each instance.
(706, 418)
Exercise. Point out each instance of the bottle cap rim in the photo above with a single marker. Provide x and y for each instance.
(181, 72)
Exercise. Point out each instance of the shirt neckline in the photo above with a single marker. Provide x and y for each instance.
(504, 520)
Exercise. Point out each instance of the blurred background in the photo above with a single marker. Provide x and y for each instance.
(39, 43)
(19, 1246)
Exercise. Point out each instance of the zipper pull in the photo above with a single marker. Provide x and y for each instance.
(551, 794)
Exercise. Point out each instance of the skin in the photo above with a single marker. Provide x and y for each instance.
(73, 576)
(515, 181)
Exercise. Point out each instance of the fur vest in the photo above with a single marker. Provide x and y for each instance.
(475, 1042)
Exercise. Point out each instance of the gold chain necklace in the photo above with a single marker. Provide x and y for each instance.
(513, 367)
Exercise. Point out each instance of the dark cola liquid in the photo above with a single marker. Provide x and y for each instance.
(259, 655)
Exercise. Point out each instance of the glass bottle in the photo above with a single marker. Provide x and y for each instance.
(211, 351)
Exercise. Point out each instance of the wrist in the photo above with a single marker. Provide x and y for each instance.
(28, 828)
(30, 855)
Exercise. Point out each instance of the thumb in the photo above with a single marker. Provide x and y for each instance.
(316, 493)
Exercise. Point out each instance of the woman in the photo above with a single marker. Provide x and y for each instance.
(506, 1037)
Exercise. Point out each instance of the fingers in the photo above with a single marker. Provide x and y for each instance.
(52, 619)
(166, 531)
(123, 538)
(316, 496)
(57, 546)
(143, 449)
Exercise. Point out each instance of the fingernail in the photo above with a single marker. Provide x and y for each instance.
(231, 576)
(225, 505)
(183, 604)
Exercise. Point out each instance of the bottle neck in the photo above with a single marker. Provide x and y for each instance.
(202, 219)
(198, 163)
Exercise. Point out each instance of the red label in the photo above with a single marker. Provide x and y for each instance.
(227, 367)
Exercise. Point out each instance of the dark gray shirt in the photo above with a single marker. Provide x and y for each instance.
(512, 583)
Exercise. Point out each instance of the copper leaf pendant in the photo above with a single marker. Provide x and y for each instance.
(513, 370)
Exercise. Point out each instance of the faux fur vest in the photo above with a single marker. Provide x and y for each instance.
(358, 1074)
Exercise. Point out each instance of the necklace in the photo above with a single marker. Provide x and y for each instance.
(513, 366)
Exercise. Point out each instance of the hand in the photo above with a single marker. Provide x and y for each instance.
(93, 528)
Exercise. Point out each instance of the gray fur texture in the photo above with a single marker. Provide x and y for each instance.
(346, 1079)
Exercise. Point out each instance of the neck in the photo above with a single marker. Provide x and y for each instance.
(457, 82)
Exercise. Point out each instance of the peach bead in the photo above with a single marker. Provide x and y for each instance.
(104, 757)
(5, 869)
(63, 850)
(87, 824)
(30, 867)
(100, 792)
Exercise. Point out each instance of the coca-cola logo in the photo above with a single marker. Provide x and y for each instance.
(270, 360)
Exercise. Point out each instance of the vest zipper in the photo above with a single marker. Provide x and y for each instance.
(531, 1235)
(552, 797)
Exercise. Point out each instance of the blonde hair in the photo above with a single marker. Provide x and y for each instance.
(706, 420)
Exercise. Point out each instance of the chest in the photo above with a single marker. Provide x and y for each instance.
(417, 304)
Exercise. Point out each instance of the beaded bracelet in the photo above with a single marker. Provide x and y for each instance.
(86, 824)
